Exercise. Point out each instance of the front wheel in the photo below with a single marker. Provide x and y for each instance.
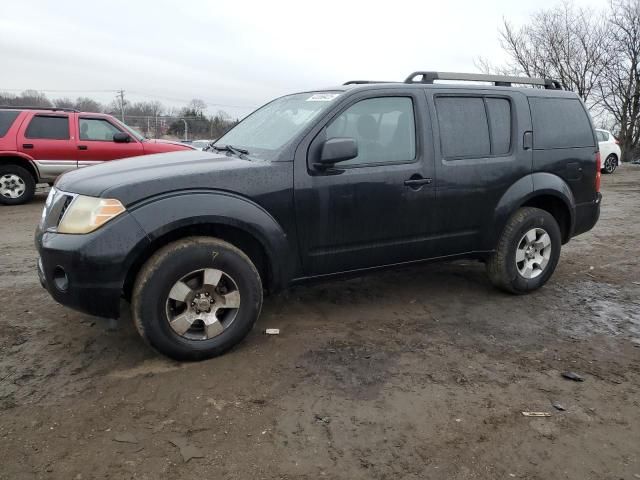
(610, 164)
(17, 185)
(527, 253)
(196, 298)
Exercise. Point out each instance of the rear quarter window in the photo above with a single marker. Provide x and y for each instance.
(560, 123)
(7, 117)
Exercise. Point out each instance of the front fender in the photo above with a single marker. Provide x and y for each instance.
(525, 189)
(161, 215)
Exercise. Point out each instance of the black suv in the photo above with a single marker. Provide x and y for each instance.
(320, 183)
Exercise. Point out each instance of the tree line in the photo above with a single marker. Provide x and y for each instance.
(594, 53)
(152, 118)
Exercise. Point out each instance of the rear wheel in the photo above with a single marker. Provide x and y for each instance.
(527, 253)
(196, 298)
(17, 185)
(610, 164)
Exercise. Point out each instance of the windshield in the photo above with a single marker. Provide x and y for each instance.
(131, 130)
(271, 127)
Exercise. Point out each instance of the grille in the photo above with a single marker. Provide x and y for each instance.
(65, 205)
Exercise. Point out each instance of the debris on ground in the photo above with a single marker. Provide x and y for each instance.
(272, 331)
(536, 414)
(573, 376)
(321, 419)
(187, 450)
(125, 438)
(558, 406)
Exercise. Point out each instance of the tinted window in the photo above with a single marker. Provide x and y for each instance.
(49, 127)
(96, 129)
(602, 136)
(464, 130)
(383, 127)
(499, 110)
(7, 117)
(560, 123)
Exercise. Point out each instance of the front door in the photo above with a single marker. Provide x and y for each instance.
(377, 208)
(96, 145)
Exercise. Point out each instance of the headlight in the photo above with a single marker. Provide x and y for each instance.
(85, 214)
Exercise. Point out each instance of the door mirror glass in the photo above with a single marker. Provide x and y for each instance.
(338, 149)
(121, 137)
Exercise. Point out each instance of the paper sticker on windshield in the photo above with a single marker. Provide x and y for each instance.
(322, 97)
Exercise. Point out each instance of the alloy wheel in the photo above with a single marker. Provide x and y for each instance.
(202, 304)
(533, 253)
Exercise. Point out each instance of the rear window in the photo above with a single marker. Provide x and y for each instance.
(560, 123)
(48, 127)
(7, 117)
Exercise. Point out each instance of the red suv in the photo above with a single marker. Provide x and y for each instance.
(38, 145)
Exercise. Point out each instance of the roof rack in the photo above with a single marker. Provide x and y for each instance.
(497, 80)
(361, 82)
(52, 109)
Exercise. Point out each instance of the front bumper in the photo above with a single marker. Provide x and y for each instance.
(87, 272)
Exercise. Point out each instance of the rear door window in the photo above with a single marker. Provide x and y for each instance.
(7, 117)
(560, 123)
(464, 128)
(499, 110)
(48, 127)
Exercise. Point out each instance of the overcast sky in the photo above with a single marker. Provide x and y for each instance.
(236, 55)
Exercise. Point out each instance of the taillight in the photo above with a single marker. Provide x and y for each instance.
(598, 173)
(617, 142)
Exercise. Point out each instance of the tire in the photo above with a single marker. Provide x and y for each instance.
(156, 300)
(516, 276)
(17, 185)
(610, 164)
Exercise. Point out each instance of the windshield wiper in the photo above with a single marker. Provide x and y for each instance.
(230, 148)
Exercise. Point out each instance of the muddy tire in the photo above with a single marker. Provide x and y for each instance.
(196, 298)
(17, 185)
(527, 252)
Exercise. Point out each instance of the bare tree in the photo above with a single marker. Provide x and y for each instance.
(619, 85)
(197, 106)
(565, 43)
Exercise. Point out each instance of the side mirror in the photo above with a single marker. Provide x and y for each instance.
(121, 137)
(337, 150)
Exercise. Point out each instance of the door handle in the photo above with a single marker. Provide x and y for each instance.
(27, 145)
(417, 182)
(527, 140)
(83, 147)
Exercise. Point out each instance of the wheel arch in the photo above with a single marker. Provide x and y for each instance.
(227, 217)
(15, 158)
(542, 190)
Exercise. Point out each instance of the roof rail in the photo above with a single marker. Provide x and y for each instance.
(361, 82)
(52, 109)
(497, 80)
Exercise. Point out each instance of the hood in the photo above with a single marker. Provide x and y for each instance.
(134, 179)
(161, 146)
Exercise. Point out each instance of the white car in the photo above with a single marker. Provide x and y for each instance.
(609, 150)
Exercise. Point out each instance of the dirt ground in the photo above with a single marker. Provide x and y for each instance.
(420, 373)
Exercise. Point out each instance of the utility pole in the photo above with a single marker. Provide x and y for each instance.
(121, 94)
(186, 129)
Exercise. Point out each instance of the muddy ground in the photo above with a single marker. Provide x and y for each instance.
(420, 373)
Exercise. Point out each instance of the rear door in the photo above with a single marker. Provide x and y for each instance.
(95, 141)
(48, 139)
(377, 208)
(479, 155)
